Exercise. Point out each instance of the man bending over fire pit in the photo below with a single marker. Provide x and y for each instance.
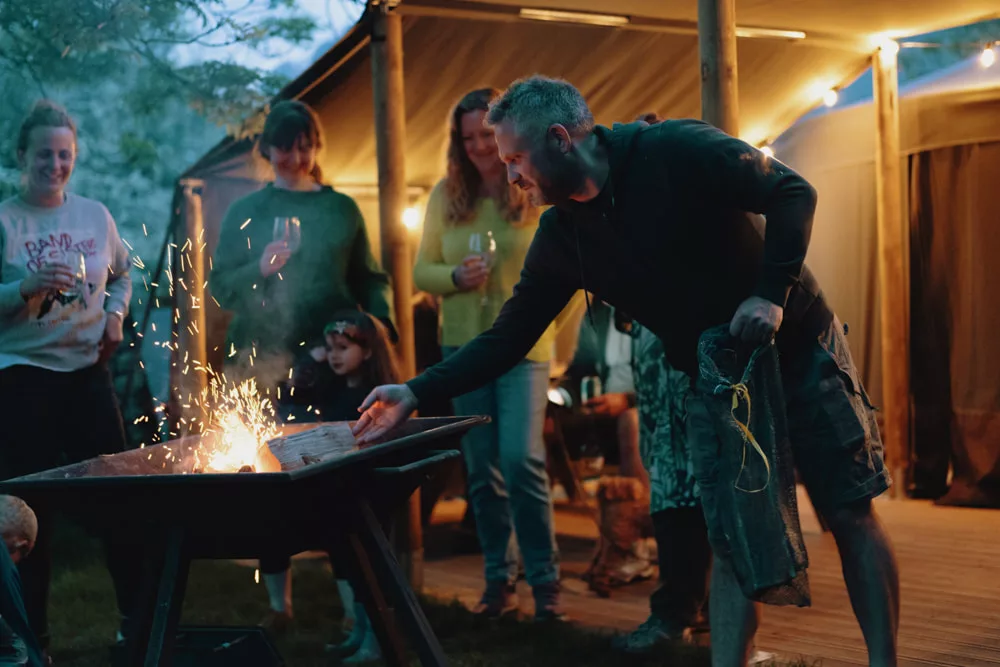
(656, 220)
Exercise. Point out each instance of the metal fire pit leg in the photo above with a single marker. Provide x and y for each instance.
(394, 582)
(151, 639)
(382, 617)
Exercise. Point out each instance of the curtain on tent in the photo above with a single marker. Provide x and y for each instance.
(955, 321)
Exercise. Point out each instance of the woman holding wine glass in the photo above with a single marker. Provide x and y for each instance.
(289, 256)
(64, 293)
(477, 230)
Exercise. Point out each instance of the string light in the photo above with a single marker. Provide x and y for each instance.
(411, 218)
(768, 151)
(988, 56)
(830, 97)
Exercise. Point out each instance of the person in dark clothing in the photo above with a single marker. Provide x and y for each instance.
(19, 529)
(657, 220)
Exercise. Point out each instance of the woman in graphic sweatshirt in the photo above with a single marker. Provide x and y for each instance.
(64, 291)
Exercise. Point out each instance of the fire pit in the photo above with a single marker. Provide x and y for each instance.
(323, 494)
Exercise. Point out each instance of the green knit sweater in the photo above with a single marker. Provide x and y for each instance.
(333, 269)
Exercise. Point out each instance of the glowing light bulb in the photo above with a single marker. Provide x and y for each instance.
(411, 218)
(830, 97)
(768, 151)
(988, 57)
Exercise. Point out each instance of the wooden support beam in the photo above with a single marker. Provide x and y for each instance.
(390, 142)
(717, 49)
(892, 267)
(189, 296)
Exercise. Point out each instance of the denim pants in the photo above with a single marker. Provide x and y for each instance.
(508, 485)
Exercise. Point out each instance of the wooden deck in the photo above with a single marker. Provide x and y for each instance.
(949, 561)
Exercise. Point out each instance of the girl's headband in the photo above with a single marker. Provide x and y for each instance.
(345, 328)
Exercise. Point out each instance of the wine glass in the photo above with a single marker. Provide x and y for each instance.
(288, 230)
(77, 263)
(484, 245)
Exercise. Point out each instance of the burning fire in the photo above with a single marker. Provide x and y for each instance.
(240, 424)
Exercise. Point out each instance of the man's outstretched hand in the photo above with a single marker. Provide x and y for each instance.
(756, 321)
(384, 409)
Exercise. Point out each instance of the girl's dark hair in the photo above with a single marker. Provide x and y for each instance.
(287, 121)
(368, 332)
(462, 181)
(45, 113)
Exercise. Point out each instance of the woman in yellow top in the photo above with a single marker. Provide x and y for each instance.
(477, 230)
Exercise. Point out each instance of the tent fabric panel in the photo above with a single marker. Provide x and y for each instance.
(955, 318)
(621, 73)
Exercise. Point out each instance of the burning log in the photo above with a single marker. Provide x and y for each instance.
(314, 445)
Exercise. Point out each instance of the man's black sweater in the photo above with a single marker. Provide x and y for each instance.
(670, 240)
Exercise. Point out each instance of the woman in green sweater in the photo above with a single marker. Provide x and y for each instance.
(282, 286)
(477, 230)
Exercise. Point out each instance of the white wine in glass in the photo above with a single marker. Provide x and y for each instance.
(484, 245)
(288, 230)
(77, 262)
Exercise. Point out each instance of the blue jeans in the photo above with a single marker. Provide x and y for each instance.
(508, 484)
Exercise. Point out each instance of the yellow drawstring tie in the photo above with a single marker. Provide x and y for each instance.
(741, 391)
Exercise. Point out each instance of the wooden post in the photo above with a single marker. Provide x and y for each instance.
(717, 49)
(189, 313)
(892, 267)
(390, 143)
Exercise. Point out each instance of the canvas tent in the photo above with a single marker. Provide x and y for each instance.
(950, 133)
(643, 58)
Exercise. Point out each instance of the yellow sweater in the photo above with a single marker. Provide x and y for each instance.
(444, 246)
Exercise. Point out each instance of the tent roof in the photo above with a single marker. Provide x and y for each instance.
(651, 64)
(847, 18)
(957, 105)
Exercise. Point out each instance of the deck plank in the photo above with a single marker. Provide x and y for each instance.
(950, 581)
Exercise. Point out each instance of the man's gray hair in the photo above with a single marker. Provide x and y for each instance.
(536, 103)
(17, 520)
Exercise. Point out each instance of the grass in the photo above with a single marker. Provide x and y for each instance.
(83, 619)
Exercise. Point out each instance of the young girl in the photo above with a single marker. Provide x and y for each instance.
(358, 357)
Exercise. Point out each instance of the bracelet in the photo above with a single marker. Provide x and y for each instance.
(454, 280)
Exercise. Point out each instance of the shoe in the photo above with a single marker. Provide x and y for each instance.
(360, 629)
(499, 599)
(369, 651)
(653, 632)
(548, 602)
(276, 622)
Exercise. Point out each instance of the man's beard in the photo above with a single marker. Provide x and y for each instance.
(559, 177)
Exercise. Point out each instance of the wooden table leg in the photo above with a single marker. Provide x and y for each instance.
(385, 568)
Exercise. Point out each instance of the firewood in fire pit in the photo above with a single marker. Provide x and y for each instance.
(319, 443)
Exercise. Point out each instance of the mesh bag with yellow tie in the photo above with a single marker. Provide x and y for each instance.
(743, 464)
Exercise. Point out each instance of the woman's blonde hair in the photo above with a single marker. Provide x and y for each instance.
(462, 181)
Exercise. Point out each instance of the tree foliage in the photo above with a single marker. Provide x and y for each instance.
(59, 43)
(146, 109)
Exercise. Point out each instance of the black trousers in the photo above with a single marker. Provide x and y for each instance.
(685, 559)
(50, 419)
